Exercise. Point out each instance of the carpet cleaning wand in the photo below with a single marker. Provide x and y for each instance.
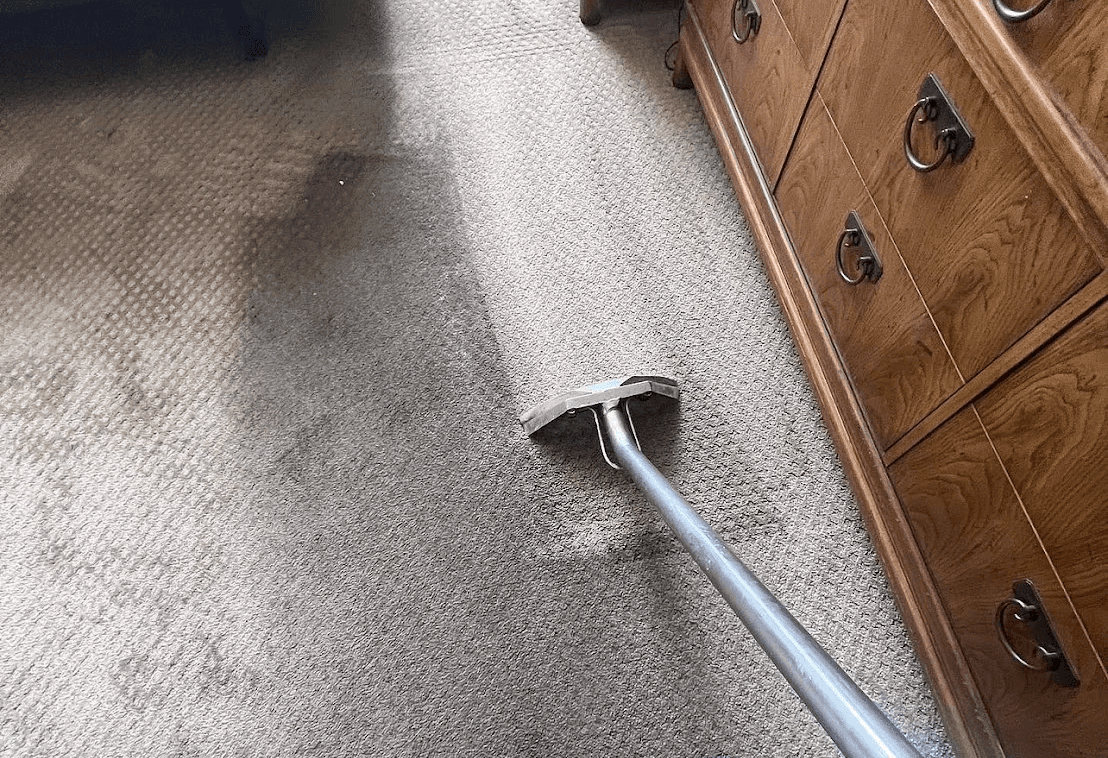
(854, 722)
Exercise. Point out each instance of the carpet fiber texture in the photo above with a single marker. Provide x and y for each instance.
(267, 329)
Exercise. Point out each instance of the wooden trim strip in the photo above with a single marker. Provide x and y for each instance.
(967, 721)
(1077, 306)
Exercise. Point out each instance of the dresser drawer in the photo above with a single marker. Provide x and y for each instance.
(765, 75)
(1049, 422)
(1066, 42)
(990, 247)
(976, 541)
(890, 347)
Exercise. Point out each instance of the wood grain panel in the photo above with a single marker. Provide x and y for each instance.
(972, 531)
(811, 23)
(1049, 421)
(991, 248)
(892, 351)
(1077, 306)
(1066, 42)
(766, 77)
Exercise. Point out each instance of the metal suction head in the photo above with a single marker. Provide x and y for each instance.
(611, 391)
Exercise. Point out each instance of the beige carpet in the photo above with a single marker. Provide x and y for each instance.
(266, 332)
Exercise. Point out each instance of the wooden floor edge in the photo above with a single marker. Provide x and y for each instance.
(968, 726)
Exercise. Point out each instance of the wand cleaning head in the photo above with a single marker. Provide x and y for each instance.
(594, 395)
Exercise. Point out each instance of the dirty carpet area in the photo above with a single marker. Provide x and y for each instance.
(266, 331)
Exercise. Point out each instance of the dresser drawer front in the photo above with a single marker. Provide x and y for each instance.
(1049, 422)
(976, 541)
(892, 352)
(1066, 42)
(765, 75)
(990, 247)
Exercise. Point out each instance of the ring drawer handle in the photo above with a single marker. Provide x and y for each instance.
(1026, 607)
(867, 262)
(746, 20)
(1027, 613)
(1012, 16)
(944, 140)
(953, 137)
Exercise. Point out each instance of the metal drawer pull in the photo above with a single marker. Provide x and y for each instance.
(1011, 16)
(1027, 608)
(952, 135)
(746, 20)
(867, 262)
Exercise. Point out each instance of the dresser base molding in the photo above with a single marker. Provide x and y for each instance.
(966, 718)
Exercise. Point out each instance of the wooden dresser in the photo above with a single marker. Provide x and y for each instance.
(928, 185)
